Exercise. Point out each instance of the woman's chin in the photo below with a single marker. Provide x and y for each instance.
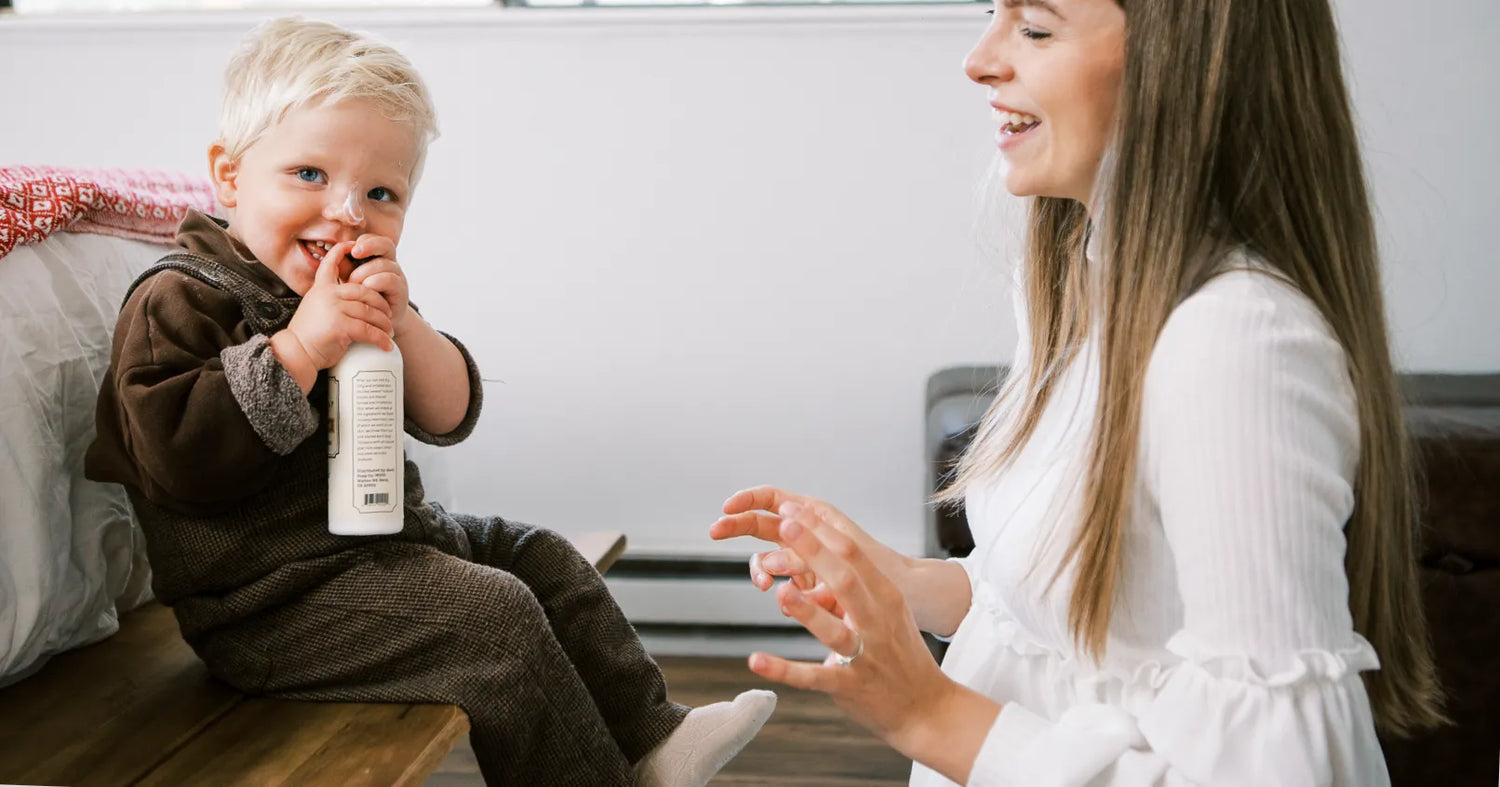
(1020, 186)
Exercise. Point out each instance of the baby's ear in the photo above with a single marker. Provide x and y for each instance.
(223, 170)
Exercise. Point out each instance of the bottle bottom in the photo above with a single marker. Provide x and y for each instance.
(364, 528)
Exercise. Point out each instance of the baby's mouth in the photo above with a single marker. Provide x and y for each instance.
(315, 248)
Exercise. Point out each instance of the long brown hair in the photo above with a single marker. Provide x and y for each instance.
(1233, 129)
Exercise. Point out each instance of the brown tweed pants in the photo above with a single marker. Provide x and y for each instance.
(525, 637)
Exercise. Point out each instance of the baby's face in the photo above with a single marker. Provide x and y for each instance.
(326, 173)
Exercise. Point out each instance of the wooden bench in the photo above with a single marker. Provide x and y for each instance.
(140, 708)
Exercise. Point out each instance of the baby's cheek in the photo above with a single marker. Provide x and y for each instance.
(301, 284)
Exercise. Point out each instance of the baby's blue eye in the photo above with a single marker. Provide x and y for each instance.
(310, 175)
(381, 194)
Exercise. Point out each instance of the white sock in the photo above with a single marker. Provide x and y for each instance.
(706, 741)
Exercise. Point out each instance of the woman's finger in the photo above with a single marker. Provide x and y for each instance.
(758, 576)
(783, 562)
(828, 515)
(786, 563)
(820, 594)
(797, 674)
(760, 498)
(763, 525)
(829, 630)
(765, 567)
(840, 563)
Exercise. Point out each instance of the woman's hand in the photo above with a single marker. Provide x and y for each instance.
(752, 512)
(879, 671)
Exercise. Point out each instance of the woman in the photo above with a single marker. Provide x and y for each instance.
(1192, 502)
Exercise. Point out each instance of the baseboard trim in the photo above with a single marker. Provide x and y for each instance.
(647, 565)
(691, 591)
(728, 641)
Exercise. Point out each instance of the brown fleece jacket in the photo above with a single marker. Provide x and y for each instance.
(223, 456)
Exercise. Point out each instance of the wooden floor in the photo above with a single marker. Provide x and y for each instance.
(807, 742)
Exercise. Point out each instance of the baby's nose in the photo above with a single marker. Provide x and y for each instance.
(350, 210)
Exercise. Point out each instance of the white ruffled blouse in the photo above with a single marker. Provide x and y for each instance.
(1231, 657)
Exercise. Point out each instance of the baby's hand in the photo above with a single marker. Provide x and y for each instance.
(381, 273)
(333, 314)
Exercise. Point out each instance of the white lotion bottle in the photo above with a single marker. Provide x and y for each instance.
(366, 415)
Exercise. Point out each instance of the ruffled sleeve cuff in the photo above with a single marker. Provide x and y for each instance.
(1024, 749)
(1210, 720)
(471, 416)
(1302, 666)
(1312, 709)
(271, 400)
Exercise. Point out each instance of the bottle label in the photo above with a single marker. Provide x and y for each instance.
(377, 441)
(333, 416)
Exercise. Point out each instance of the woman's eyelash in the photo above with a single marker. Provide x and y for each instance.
(1031, 33)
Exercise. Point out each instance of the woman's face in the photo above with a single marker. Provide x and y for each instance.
(1053, 72)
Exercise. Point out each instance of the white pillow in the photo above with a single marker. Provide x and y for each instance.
(72, 557)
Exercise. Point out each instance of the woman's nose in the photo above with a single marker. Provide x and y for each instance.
(989, 62)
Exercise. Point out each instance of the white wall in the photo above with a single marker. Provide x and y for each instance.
(1426, 84)
(702, 249)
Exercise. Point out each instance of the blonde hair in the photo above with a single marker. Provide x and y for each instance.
(292, 62)
(1234, 129)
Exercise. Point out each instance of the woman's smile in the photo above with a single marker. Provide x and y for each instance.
(1015, 126)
